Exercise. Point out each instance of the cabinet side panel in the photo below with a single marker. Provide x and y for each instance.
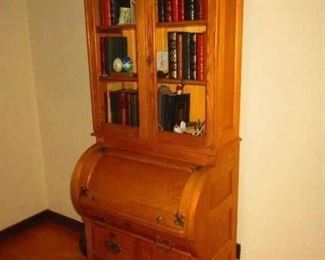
(229, 62)
(223, 204)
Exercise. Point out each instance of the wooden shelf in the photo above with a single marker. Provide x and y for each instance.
(133, 77)
(182, 24)
(182, 81)
(115, 28)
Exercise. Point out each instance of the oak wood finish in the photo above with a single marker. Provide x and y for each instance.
(147, 194)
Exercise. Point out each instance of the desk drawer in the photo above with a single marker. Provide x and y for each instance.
(112, 244)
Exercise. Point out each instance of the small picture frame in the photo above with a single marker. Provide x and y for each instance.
(125, 15)
(162, 61)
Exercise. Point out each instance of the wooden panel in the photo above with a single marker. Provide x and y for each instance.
(227, 252)
(140, 190)
(220, 189)
(221, 230)
(228, 62)
(146, 70)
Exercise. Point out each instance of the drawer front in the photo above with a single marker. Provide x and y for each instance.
(149, 251)
(111, 244)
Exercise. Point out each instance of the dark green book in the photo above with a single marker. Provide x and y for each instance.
(134, 108)
(116, 47)
(186, 55)
(114, 102)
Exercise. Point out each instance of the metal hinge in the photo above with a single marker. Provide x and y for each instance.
(179, 220)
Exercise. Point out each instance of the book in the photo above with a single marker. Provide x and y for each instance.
(189, 10)
(122, 106)
(172, 56)
(198, 10)
(175, 11)
(102, 57)
(163, 90)
(186, 55)
(114, 102)
(161, 11)
(115, 47)
(200, 56)
(133, 102)
(108, 108)
(105, 12)
(182, 108)
(114, 12)
(181, 10)
(179, 53)
(168, 10)
(193, 56)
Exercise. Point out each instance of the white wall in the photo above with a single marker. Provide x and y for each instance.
(59, 49)
(22, 183)
(282, 175)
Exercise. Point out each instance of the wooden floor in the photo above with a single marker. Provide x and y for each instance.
(46, 241)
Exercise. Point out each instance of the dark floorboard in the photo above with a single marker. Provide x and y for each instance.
(46, 240)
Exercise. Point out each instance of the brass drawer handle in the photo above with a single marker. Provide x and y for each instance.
(113, 247)
(163, 244)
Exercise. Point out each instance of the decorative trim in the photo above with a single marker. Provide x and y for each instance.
(46, 215)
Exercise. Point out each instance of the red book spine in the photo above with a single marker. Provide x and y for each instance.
(200, 9)
(168, 10)
(180, 10)
(200, 56)
(175, 13)
(106, 13)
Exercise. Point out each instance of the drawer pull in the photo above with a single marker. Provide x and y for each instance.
(113, 247)
(163, 244)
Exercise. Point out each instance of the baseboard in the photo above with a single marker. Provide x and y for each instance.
(46, 215)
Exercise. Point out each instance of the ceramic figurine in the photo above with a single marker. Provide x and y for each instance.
(179, 89)
(179, 129)
(117, 65)
(127, 64)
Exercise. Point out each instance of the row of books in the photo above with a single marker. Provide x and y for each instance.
(123, 107)
(186, 55)
(172, 108)
(179, 10)
(117, 12)
(112, 47)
